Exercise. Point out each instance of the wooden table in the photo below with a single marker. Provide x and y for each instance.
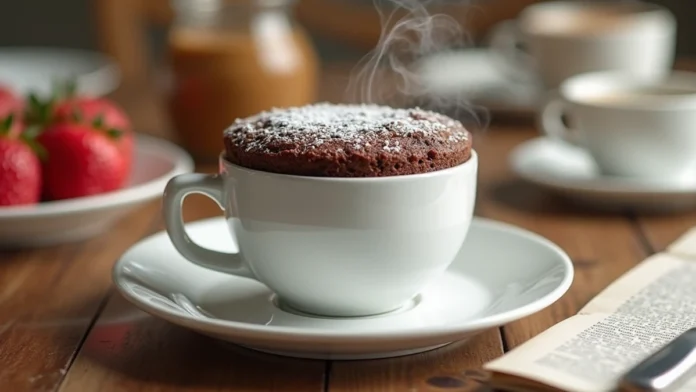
(64, 328)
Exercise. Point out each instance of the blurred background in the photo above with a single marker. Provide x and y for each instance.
(217, 60)
(340, 29)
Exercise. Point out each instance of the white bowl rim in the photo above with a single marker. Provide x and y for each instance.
(181, 161)
(102, 80)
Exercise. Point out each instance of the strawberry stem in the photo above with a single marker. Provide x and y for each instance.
(32, 131)
(98, 121)
(114, 133)
(34, 100)
(38, 112)
(6, 125)
(38, 149)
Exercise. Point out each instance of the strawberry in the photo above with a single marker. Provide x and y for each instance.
(66, 107)
(102, 114)
(11, 105)
(88, 109)
(81, 160)
(39, 112)
(20, 168)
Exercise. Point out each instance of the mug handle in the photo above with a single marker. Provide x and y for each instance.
(550, 119)
(504, 42)
(175, 192)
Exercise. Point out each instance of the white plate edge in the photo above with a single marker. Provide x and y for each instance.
(595, 187)
(242, 329)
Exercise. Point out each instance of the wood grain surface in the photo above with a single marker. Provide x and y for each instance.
(453, 367)
(602, 246)
(659, 231)
(49, 298)
(128, 350)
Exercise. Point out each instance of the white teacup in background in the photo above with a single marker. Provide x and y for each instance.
(333, 246)
(566, 38)
(632, 127)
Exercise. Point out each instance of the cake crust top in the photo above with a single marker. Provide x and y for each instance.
(347, 141)
(356, 126)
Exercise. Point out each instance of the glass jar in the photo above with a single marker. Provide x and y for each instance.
(232, 59)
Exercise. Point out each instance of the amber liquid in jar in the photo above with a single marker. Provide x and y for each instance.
(221, 74)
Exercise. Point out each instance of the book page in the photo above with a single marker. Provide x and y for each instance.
(631, 283)
(636, 315)
(685, 246)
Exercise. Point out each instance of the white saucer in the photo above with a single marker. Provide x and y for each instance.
(50, 223)
(571, 172)
(501, 274)
(476, 75)
(28, 69)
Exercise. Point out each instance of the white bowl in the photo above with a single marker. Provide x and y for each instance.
(27, 69)
(155, 161)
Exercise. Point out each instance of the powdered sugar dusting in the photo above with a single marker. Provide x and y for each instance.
(357, 126)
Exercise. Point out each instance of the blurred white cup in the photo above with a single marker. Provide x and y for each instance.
(631, 127)
(553, 41)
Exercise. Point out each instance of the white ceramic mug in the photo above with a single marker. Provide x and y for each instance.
(333, 246)
(630, 126)
(566, 38)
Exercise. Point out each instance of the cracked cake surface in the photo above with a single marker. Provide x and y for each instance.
(331, 140)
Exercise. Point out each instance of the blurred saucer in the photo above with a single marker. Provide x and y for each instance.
(486, 286)
(155, 161)
(572, 173)
(26, 69)
(476, 75)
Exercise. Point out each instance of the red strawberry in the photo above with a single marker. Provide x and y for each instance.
(10, 103)
(81, 161)
(87, 109)
(65, 107)
(20, 169)
(101, 113)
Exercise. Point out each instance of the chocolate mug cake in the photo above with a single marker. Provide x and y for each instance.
(329, 140)
(328, 209)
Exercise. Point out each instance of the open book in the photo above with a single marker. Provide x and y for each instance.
(632, 318)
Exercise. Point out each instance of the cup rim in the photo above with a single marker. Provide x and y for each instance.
(641, 6)
(472, 161)
(642, 9)
(579, 90)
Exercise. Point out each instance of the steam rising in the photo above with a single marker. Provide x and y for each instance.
(389, 73)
